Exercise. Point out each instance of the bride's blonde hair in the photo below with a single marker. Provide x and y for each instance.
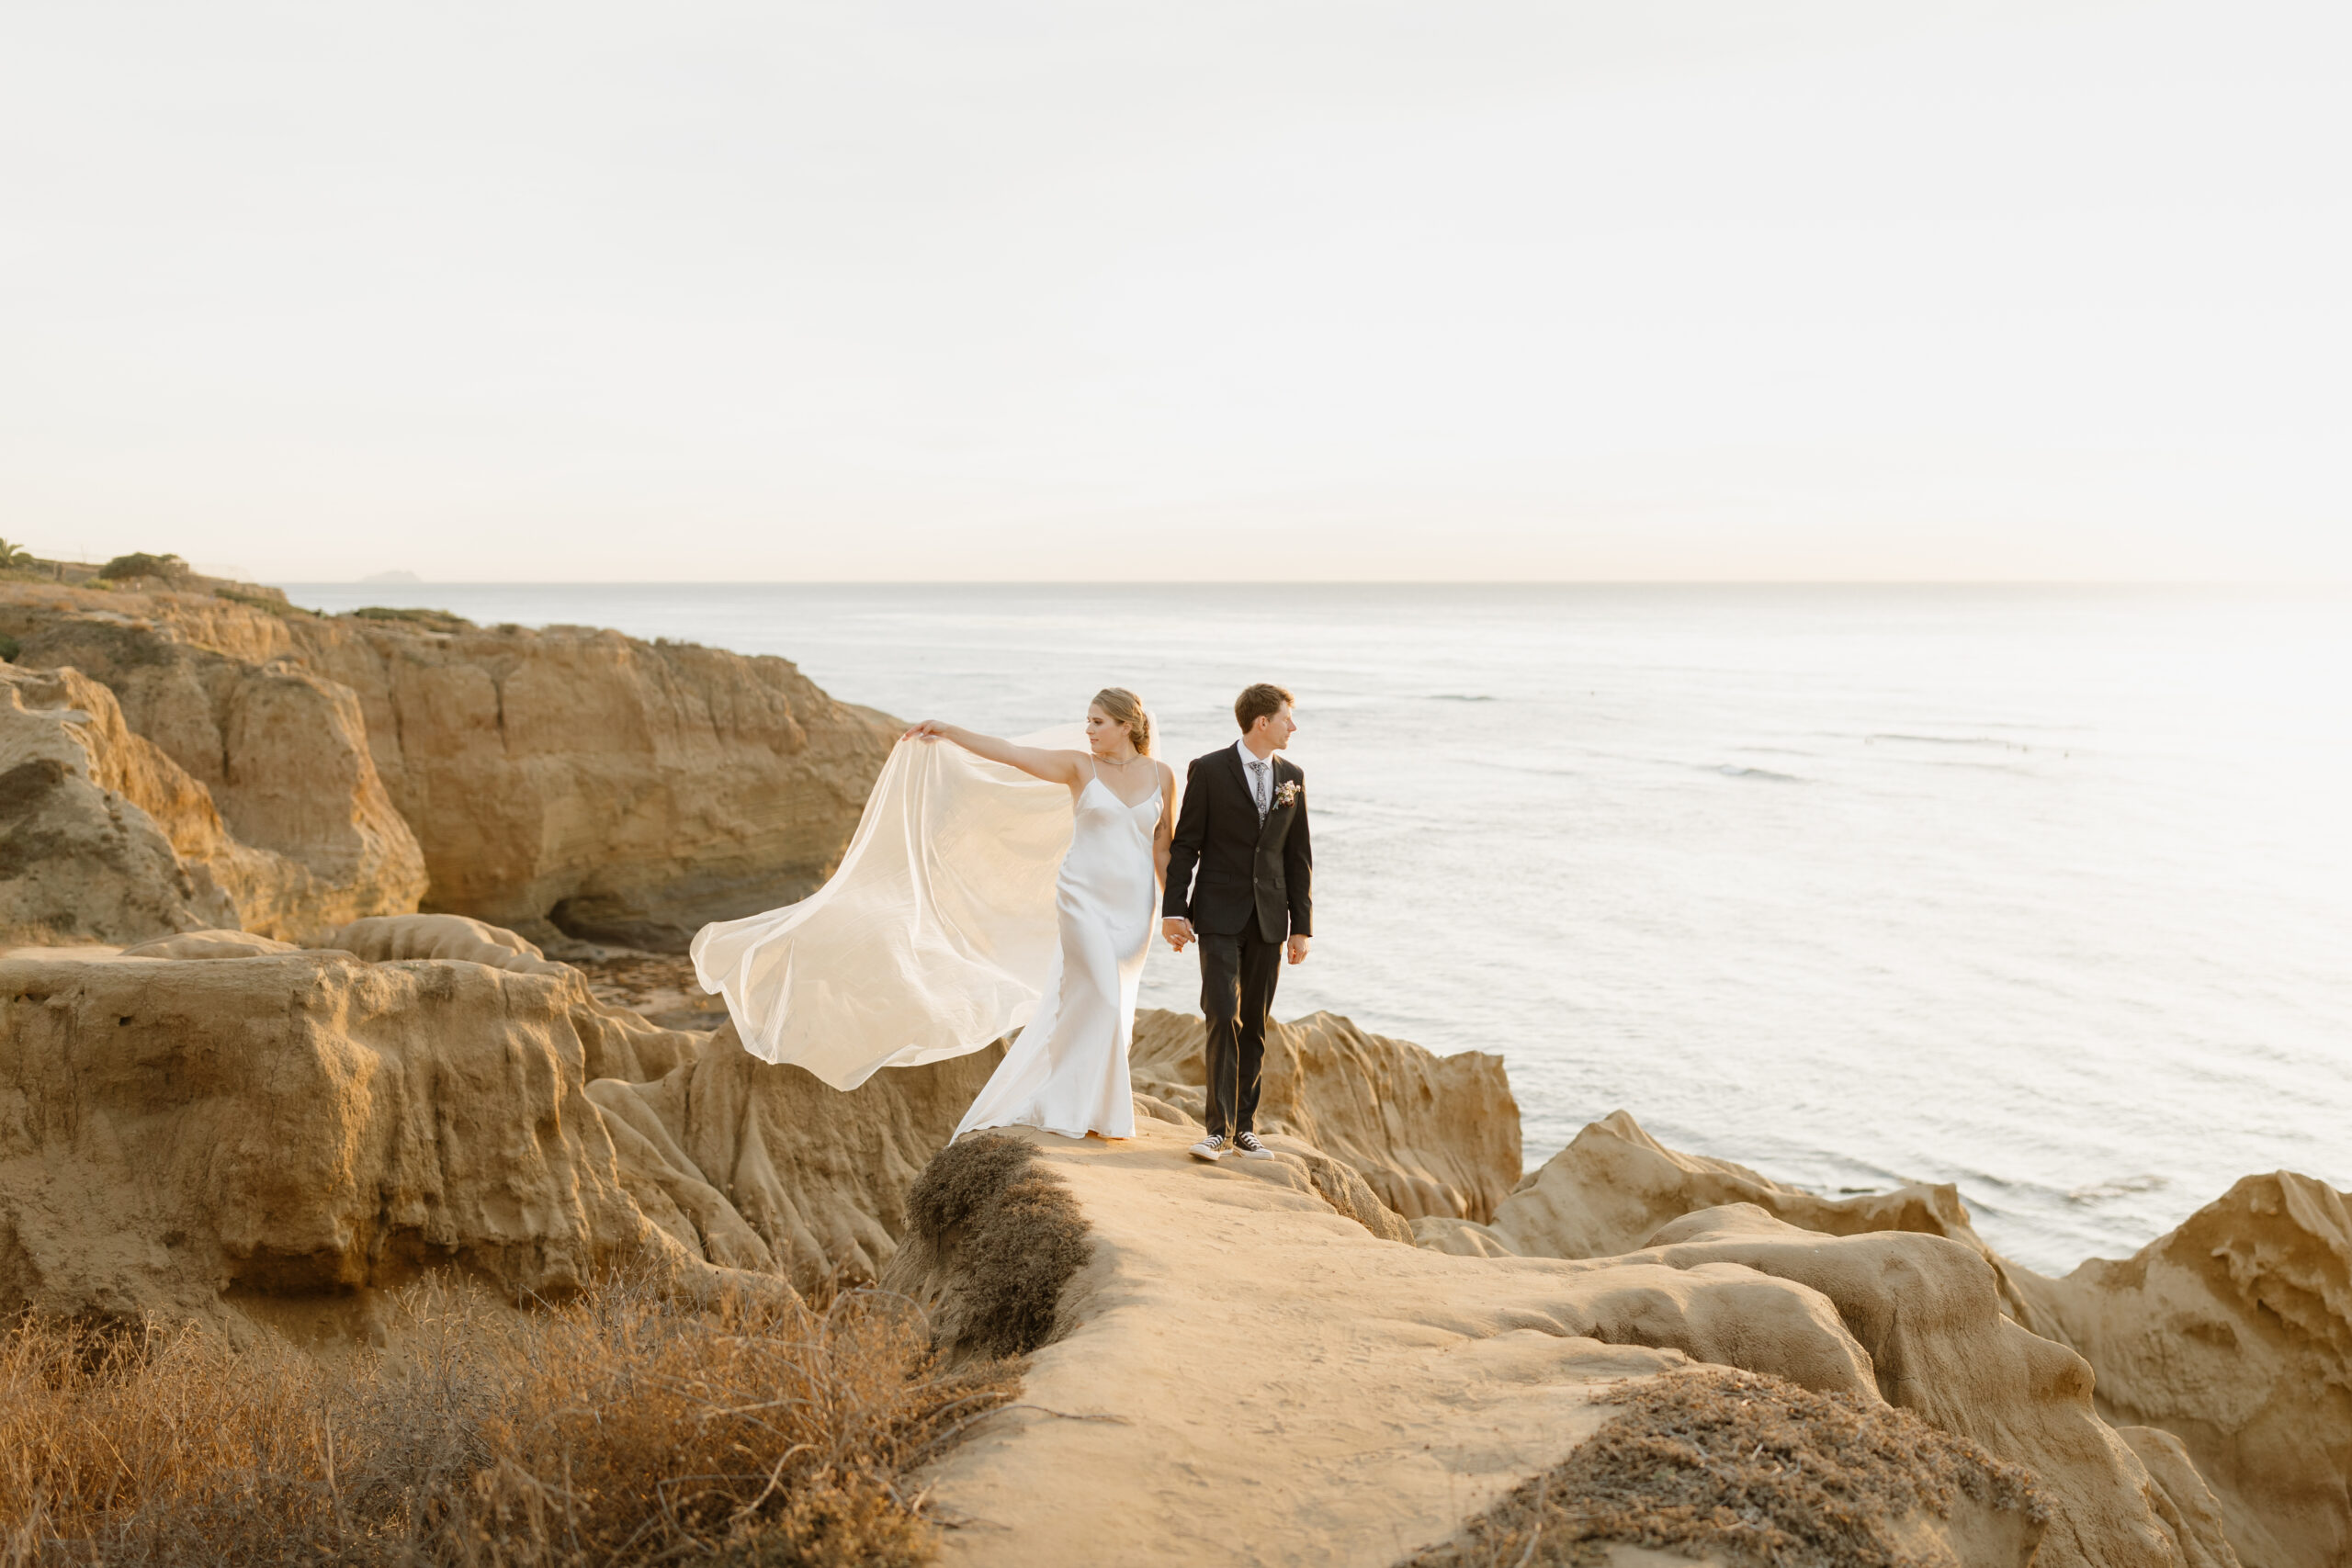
(1124, 709)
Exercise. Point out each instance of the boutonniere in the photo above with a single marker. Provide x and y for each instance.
(1286, 793)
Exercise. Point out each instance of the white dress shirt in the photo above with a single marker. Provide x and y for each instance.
(1260, 774)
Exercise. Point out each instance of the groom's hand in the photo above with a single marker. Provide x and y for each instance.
(1298, 949)
(1178, 931)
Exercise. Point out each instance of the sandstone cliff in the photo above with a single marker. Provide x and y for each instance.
(624, 791)
(1612, 1188)
(210, 1120)
(1432, 1135)
(282, 753)
(1238, 1373)
(212, 1125)
(153, 853)
(81, 859)
(185, 1135)
(2233, 1334)
(2222, 1352)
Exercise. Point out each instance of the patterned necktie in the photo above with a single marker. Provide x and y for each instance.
(1258, 788)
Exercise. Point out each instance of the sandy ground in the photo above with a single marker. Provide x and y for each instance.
(1256, 1380)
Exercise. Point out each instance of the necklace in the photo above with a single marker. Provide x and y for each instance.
(1129, 762)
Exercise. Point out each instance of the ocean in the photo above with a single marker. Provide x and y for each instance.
(2043, 891)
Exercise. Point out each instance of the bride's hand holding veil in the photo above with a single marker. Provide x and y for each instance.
(1037, 762)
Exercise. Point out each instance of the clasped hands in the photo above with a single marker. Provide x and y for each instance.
(1179, 932)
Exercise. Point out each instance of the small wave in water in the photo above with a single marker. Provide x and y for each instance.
(1734, 771)
(2123, 1187)
(1952, 741)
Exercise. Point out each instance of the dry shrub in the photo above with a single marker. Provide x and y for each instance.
(626, 1426)
(1747, 1465)
(1017, 1236)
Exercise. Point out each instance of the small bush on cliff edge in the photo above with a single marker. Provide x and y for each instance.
(623, 1428)
(141, 564)
(1746, 1466)
(1012, 1233)
(415, 616)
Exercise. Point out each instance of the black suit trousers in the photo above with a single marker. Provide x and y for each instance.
(1237, 977)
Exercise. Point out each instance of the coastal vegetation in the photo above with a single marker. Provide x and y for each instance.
(140, 563)
(1748, 1465)
(430, 620)
(630, 1425)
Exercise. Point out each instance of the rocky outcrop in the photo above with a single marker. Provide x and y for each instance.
(212, 1118)
(76, 722)
(180, 1133)
(382, 938)
(628, 791)
(1610, 1190)
(200, 945)
(1928, 1311)
(2233, 1334)
(1432, 1135)
(624, 791)
(83, 858)
(2184, 1503)
(281, 755)
(1237, 1364)
(210, 1126)
(2222, 1352)
(815, 1179)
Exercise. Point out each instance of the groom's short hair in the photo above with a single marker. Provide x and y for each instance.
(1261, 701)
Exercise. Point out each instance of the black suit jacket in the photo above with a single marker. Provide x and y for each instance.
(1245, 871)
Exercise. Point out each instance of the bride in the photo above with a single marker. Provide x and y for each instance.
(940, 930)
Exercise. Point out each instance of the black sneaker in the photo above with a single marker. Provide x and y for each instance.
(1212, 1148)
(1251, 1148)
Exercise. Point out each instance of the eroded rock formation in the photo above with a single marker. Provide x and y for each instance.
(210, 1117)
(111, 840)
(1237, 1364)
(181, 1133)
(1431, 1134)
(2222, 1353)
(81, 859)
(2233, 1334)
(815, 1179)
(1928, 1313)
(212, 1125)
(281, 755)
(626, 791)
(1611, 1189)
(629, 791)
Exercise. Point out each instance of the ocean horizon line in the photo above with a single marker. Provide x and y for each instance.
(2156, 585)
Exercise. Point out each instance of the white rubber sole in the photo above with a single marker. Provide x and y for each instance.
(1202, 1152)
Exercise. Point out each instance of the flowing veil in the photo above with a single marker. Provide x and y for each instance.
(935, 935)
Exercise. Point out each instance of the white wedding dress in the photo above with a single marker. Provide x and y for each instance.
(972, 899)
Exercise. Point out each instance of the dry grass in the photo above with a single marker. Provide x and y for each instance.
(1017, 1236)
(1749, 1466)
(626, 1426)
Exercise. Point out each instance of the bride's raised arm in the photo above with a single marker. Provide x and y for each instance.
(1037, 762)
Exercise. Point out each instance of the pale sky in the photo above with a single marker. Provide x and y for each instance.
(1717, 289)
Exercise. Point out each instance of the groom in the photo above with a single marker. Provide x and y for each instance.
(1244, 829)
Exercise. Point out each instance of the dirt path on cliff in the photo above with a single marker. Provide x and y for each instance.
(1257, 1380)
